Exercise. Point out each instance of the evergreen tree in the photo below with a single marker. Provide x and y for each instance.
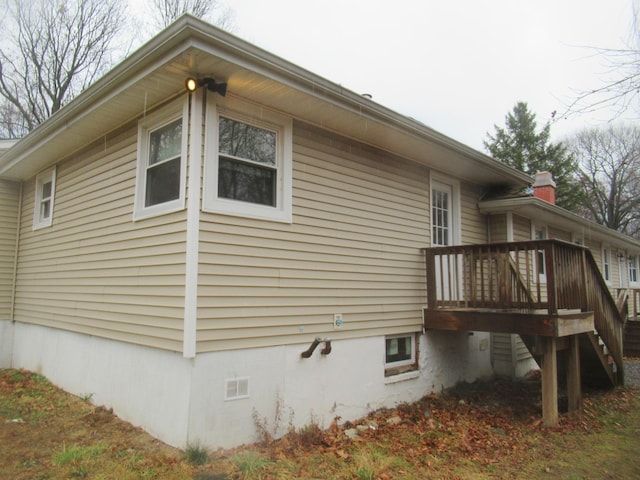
(521, 146)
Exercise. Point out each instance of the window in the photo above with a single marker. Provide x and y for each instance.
(606, 264)
(540, 233)
(247, 163)
(44, 194)
(162, 141)
(440, 211)
(236, 388)
(400, 351)
(633, 269)
(248, 169)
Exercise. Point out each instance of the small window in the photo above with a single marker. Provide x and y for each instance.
(400, 351)
(606, 264)
(236, 388)
(248, 168)
(633, 269)
(540, 233)
(44, 195)
(161, 162)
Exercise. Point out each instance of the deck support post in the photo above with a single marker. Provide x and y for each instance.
(549, 383)
(574, 390)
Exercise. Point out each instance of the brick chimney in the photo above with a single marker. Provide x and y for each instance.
(544, 187)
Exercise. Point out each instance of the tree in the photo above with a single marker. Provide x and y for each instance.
(54, 50)
(521, 146)
(167, 11)
(621, 88)
(610, 174)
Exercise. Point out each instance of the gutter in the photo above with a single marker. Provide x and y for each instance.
(553, 211)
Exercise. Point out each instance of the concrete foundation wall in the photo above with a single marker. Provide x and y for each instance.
(183, 401)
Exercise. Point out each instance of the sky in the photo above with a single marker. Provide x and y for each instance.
(458, 66)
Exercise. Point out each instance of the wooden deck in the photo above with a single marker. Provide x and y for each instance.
(549, 292)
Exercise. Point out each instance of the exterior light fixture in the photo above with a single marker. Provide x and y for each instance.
(191, 84)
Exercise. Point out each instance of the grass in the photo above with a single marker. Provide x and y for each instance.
(196, 454)
(476, 431)
(249, 463)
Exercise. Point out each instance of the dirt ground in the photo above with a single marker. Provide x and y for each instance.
(472, 431)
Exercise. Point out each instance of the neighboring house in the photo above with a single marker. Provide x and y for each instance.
(173, 253)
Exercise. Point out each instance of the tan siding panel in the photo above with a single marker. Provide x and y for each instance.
(521, 229)
(559, 234)
(95, 270)
(473, 224)
(498, 227)
(360, 218)
(9, 205)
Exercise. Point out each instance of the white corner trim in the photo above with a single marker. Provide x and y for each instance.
(194, 160)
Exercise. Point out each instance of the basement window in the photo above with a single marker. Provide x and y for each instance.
(236, 388)
(400, 354)
(44, 194)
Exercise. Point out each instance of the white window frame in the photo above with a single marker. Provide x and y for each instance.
(443, 183)
(606, 263)
(39, 220)
(260, 117)
(633, 267)
(176, 110)
(541, 258)
(401, 363)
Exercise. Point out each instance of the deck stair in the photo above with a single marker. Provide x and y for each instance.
(549, 292)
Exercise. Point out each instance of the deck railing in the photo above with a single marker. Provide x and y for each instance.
(538, 275)
(633, 300)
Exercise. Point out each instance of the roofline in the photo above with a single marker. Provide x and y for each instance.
(189, 31)
(505, 204)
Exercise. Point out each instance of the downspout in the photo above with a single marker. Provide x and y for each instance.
(194, 161)
(15, 256)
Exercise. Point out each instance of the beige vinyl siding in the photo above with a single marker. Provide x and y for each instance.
(473, 224)
(360, 218)
(521, 229)
(501, 350)
(559, 234)
(9, 205)
(95, 271)
(498, 228)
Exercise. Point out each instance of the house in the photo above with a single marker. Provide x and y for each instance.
(211, 235)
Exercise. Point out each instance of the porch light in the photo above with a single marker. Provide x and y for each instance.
(191, 84)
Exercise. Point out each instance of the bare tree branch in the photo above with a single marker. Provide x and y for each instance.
(167, 11)
(54, 51)
(610, 173)
(621, 87)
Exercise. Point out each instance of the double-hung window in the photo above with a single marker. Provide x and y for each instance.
(162, 141)
(44, 195)
(247, 163)
(606, 264)
(633, 269)
(248, 168)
